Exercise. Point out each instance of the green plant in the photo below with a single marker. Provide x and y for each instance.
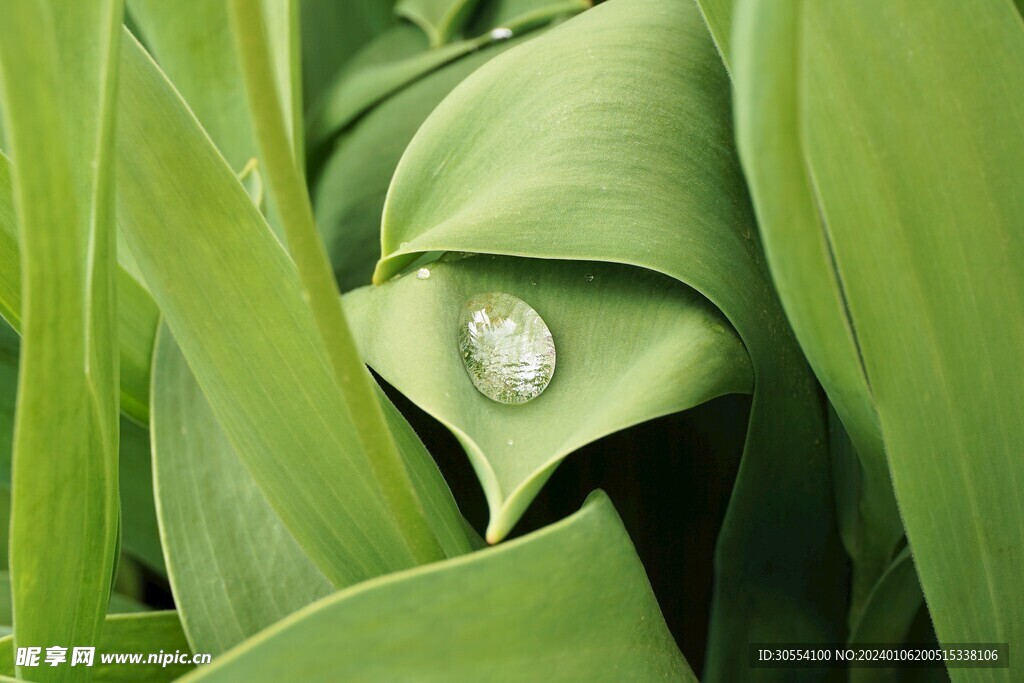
(813, 203)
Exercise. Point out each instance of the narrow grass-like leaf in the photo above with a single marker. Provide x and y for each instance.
(144, 633)
(572, 157)
(607, 377)
(567, 603)
(140, 536)
(398, 58)
(9, 352)
(718, 15)
(246, 332)
(318, 288)
(909, 119)
(332, 33)
(439, 19)
(137, 314)
(58, 71)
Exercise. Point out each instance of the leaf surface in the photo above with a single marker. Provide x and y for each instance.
(917, 224)
(607, 377)
(525, 610)
(556, 150)
(57, 68)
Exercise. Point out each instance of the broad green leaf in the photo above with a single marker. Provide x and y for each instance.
(916, 188)
(233, 566)
(439, 19)
(332, 32)
(246, 332)
(137, 314)
(570, 602)
(349, 195)
(607, 377)
(145, 633)
(576, 158)
(228, 552)
(57, 67)
(815, 301)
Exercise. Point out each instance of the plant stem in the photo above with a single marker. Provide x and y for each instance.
(318, 285)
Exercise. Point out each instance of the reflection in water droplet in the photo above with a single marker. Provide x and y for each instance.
(588, 278)
(506, 347)
(423, 274)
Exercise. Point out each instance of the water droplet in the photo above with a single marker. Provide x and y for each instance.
(501, 34)
(506, 347)
(423, 274)
(588, 277)
(510, 442)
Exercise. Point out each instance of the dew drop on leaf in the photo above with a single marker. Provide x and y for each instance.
(506, 347)
(423, 274)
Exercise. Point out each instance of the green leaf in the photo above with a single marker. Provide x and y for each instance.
(58, 64)
(909, 121)
(227, 551)
(577, 159)
(218, 525)
(318, 289)
(140, 534)
(119, 604)
(606, 377)
(332, 32)
(525, 610)
(247, 334)
(399, 57)
(192, 42)
(145, 633)
(349, 195)
(9, 352)
(137, 314)
(439, 19)
(718, 16)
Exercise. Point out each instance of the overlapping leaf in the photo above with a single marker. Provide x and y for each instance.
(883, 142)
(137, 314)
(59, 90)
(608, 376)
(559, 152)
(246, 332)
(144, 633)
(228, 551)
(567, 603)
